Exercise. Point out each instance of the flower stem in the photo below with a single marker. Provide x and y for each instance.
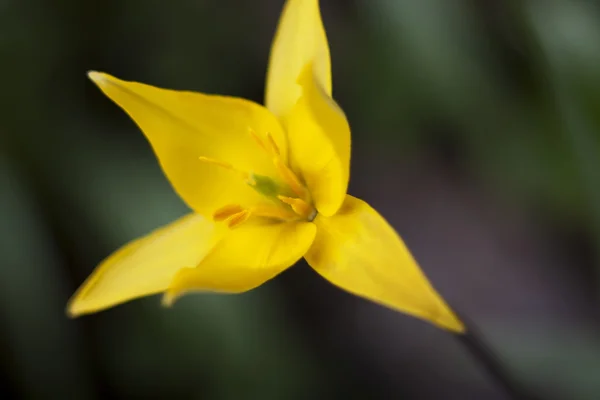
(474, 343)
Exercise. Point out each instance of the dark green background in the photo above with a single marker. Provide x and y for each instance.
(476, 127)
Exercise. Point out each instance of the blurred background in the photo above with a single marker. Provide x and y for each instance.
(476, 128)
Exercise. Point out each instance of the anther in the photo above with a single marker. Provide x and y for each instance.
(227, 211)
(238, 219)
(299, 206)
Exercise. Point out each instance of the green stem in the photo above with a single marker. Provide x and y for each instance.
(474, 343)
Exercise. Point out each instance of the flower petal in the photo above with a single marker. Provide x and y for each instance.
(248, 256)
(360, 252)
(300, 39)
(146, 265)
(319, 142)
(183, 126)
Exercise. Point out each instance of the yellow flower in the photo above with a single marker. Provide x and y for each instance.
(267, 186)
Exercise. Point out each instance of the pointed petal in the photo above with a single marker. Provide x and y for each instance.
(146, 265)
(248, 256)
(184, 126)
(300, 39)
(360, 252)
(319, 141)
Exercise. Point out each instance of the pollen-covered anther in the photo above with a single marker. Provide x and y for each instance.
(300, 207)
(227, 211)
(238, 218)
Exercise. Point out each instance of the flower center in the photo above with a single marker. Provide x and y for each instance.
(287, 197)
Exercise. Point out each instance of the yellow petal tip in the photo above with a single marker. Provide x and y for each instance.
(454, 325)
(448, 320)
(72, 310)
(97, 77)
(304, 75)
(168, 299)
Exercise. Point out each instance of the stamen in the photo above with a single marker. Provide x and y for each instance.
(245, 175)
(285, 172)
(290, 178)
(271, 148)
(274, 147)
(268, 188)
(227, 211)
(223, 164)
(238, 219)
(299, 206)
(272, 211)
(257, 139)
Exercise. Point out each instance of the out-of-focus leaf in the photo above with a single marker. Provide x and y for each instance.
(561, 361)
(569, 37)
(43, 343)
(439, 68)
(429, 58)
